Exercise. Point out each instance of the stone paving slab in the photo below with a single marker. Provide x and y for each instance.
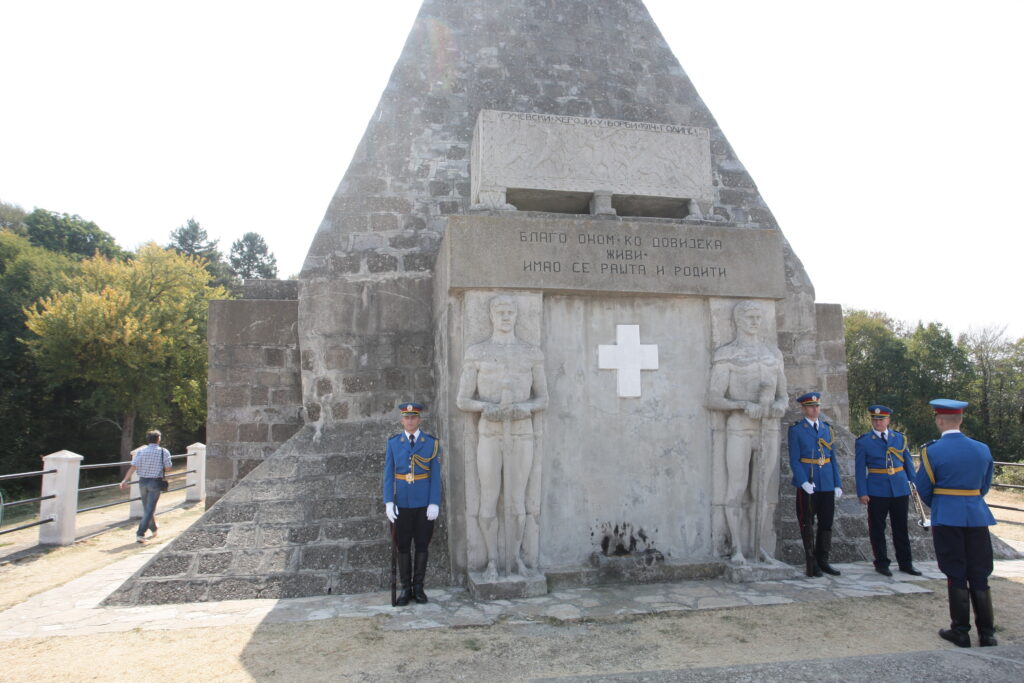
(75, 608)
(993, 665)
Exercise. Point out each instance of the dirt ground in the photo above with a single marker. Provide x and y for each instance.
(358, 649)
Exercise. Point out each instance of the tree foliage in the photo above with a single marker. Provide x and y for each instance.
(29, 416)
(69, 234)
(905, 368)
(192, 240)
(134, 331)
(250, 258)
(12, 218)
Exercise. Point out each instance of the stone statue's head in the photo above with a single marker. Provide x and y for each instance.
(747, 316)
(503, 313)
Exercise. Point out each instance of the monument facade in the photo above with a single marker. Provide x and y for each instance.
(545, 236)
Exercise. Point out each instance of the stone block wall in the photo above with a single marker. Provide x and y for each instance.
(254, 396)
(832, 366)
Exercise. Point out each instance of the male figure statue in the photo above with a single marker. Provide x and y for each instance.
(503, 380)
(749, 385)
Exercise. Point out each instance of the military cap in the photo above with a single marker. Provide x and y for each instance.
(811, 398)
(410, 408)
(948, 406)
(879, 411)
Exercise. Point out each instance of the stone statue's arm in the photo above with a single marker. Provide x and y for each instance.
(467, 388)
(716, 399)
(778, 407)
(539, 400)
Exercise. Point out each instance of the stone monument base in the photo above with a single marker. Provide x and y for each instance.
(642, 568)
(506, 587)
(760, 571)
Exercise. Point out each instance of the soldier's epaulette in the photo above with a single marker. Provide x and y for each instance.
(394, 436)
(428, 434)
(929, 443)
(865, 435)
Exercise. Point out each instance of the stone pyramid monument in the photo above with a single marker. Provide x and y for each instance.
(549, 162)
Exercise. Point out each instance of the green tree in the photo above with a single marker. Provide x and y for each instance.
(135, 331)
(12, 217)
(996, 392)
(939, 369)
(192, 240)
(250, 258)
(33, 422)
(69, 234)
(878, 366)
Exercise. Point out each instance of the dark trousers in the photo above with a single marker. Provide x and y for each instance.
(895, 508)
(964, 554)
(823, 505)
(412, 524)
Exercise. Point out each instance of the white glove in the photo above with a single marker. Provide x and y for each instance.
(391, 511)
(807, 486)
(432, 511)
(839, 493)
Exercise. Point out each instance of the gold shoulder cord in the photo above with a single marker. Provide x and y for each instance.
(927, 465)
(418, 459)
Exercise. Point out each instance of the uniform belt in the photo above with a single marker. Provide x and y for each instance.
(957, 492)
(882, 470)
(415, 477)
(815, 461)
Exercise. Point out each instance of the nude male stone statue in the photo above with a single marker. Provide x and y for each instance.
(503, 380)
(748, 384)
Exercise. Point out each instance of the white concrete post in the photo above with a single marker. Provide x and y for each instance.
(64, 484)
(196, 460)
(135, 507)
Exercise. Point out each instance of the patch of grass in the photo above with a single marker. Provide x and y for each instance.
(473, 644)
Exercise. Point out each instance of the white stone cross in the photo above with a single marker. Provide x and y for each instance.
(629, 357)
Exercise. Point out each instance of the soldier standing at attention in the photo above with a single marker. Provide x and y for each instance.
(885, 473)
(412, 497)
(955, 474)
(816, 476)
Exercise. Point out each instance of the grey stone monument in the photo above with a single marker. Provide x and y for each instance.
(554, 155)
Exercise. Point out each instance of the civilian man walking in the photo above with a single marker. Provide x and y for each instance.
(150, 461)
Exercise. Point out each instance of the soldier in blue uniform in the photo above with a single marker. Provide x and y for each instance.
(412, 497)
(955, 474)
(816, 478)
(885, 473)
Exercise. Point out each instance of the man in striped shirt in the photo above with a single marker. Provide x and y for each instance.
(150, 461)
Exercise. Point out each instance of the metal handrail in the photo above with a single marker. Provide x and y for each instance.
(28, 500)
(20, 475)
(121, 463)
(27, 526)
(134, 481)
(129, 500)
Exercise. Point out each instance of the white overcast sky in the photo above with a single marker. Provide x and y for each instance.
(885, 136)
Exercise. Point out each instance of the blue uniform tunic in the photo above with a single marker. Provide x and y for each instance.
(956, 463)
(872, 453)
(804, 443)
(422, 460)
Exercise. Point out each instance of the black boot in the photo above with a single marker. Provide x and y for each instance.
(405, 574)
(417, 578)
(983, 619)
(822, 549)
(959, 618)
(808, 539)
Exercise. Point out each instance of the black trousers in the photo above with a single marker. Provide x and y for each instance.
(895, 508)
(823, 504)
(412, 525)
(964, 554)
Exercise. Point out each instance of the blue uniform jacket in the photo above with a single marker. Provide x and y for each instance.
(425, 459)
(956, 462)
(873, 453)
(804, 443)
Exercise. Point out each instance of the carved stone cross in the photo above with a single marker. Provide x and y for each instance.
(629, 357)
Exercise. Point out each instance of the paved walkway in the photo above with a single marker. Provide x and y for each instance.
(75, 609)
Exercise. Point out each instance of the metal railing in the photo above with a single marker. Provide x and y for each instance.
(58, 499)
(4, 505)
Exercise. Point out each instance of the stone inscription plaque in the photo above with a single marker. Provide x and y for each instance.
(582, 255)
(583, 154)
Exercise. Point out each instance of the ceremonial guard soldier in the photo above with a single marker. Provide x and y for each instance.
(885, 474)
(412, 497)
(955, 474)
(816, 477)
